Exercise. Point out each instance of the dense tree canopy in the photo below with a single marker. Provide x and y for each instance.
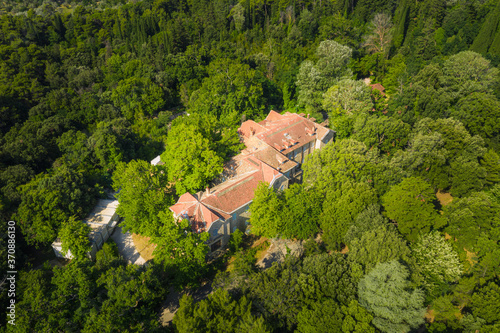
(90, 92)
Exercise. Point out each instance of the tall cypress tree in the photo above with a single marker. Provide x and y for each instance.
(486, 35)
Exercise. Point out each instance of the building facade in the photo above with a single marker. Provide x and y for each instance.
(275, 151)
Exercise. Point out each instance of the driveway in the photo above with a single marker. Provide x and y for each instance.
(126, 246)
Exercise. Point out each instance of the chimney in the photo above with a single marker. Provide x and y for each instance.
(207, 191)
(308, 116)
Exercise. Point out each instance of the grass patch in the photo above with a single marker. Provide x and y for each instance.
(143, 246)
(444, 198)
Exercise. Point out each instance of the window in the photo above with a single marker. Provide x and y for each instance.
(215, 246)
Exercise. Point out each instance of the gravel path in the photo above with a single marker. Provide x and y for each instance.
(126, 246)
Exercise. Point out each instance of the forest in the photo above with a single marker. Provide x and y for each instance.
(399, 216)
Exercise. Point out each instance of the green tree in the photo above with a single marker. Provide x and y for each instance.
(485, 304)
(74, 235)
(300, 212)
(385, 292)
(478, 112)
(382, 244)
(49, 200)
(314, 79)
(472, 218)
(491, 164)
(263, 218)
(219, 312)
(190, 161)
(137, 98)
(435, 260)
(411, 205)
(370, 218)
(329, 316)
(180, 249)
(386, 133)
(341, 207)
(337, 163)
(348, 97)
(143, 192)
(229, 87)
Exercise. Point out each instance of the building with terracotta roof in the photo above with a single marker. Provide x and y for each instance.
(275, 150)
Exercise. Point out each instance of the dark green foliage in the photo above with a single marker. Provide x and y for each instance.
(283, 290)
(49, 200)
(484, 40)
(88, 297)
(411, 205)
(473, 218)
(341, 207)
(300, 212)
(219, 312)
(385, 133)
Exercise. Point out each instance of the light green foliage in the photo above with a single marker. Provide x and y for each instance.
(143, 193)
(385, 292)
(386, 133)
(370, 218)
(435, 259)
(218, 313)
(314, 79)
(341, 207)
(381, 244)
(49, 200)
(468, 72)
(263, 218)
(473, 219)
(230, 87)
(337, 163)
(347, 96)
(181, 251)
(189, 158)
(74, 235)
(357, 319)
(235, 241)
(411, 205)
(238, 14)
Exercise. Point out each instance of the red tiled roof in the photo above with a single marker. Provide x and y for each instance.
(378, 87)
(232, 194)
(263, 160)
